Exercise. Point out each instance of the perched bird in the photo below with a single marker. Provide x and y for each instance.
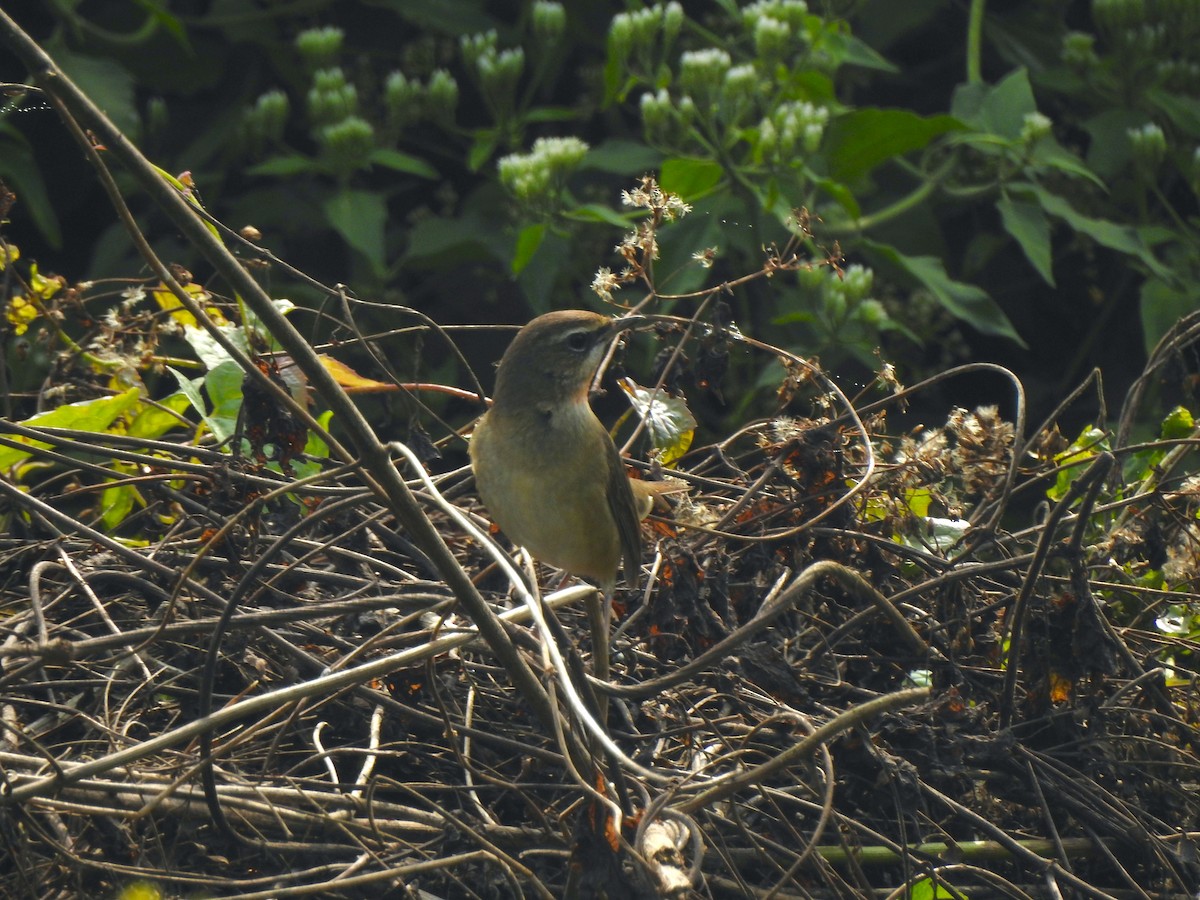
(545, 466)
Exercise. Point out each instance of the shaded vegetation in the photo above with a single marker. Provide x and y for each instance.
(244, 657)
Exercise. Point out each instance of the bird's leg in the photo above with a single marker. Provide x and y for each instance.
(599, 609)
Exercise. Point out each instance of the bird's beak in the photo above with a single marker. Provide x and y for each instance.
(626, 323)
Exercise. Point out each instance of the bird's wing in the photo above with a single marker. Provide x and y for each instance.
(624, 513)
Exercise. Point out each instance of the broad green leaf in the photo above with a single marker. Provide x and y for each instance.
(918, 501)
(359, 217)
(1027, 223)
(967, 302)
(190, 388)
(403, 162)
(1123, 238)
(927, 889)
(155, 420)
(669, 423)
(861, 140)
(117, 502)
(1182, 110)
(207, 350)
(224, 387)
(1072, 460)
(447, 239)
(689, 178)
(162, 17)
(109, 85)
(314, 446)
(1050, 154)
(1110, 150)
(528, 241)
(1161, 306)
(541, 282)
(719, 220)
(290, 165)
(486, 140)
(23, 175)
(1178, 424)
(840, 194)
(856, 52)
(94, 416)
(597, 212)
(622, 157)
(997, 109)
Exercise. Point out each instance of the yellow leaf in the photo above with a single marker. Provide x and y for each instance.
(8, 253)
(41, 285)
(20, 312)
(170, 303)
(351, 380)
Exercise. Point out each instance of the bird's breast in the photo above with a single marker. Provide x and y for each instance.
(543, 477)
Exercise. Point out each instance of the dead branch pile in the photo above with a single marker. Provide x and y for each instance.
(849, 674)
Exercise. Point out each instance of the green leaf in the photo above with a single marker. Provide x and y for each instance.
(224, 387)
(967, 302)
(1182, 110)
(856, 52)
(1123, 238)
(88, 415)
(1050, 154)
(1178, 424)
(1027, 223)
(285, 166)
(19, 168)
(621, 157)
(403, 162)
(541, 282)
(486, 141)
(190, 388)
(158, 12)
(918, 501)
(206, 348)
(359, 217)
(445, 240)
(597, 212)
(1110, 149)
(528, 241)
(840, 194)
(927, 889)
(313, 445)
(997, 109)
(1161, 306)
(861, 140)
(155, 420)
(117, 502)
(109, 85)
(689, 178)
(1071, 462)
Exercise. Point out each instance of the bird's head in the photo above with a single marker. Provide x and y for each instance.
(553, 358)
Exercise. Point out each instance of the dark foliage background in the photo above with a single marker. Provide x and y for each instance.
(991, 623)
(1054, 249)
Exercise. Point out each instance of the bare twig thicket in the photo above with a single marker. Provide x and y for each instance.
(849, 674)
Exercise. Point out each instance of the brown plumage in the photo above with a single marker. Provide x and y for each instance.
(545, 466)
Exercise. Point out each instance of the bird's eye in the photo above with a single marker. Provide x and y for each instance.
(579, 340)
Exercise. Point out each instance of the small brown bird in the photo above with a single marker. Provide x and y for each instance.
(545, 466)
